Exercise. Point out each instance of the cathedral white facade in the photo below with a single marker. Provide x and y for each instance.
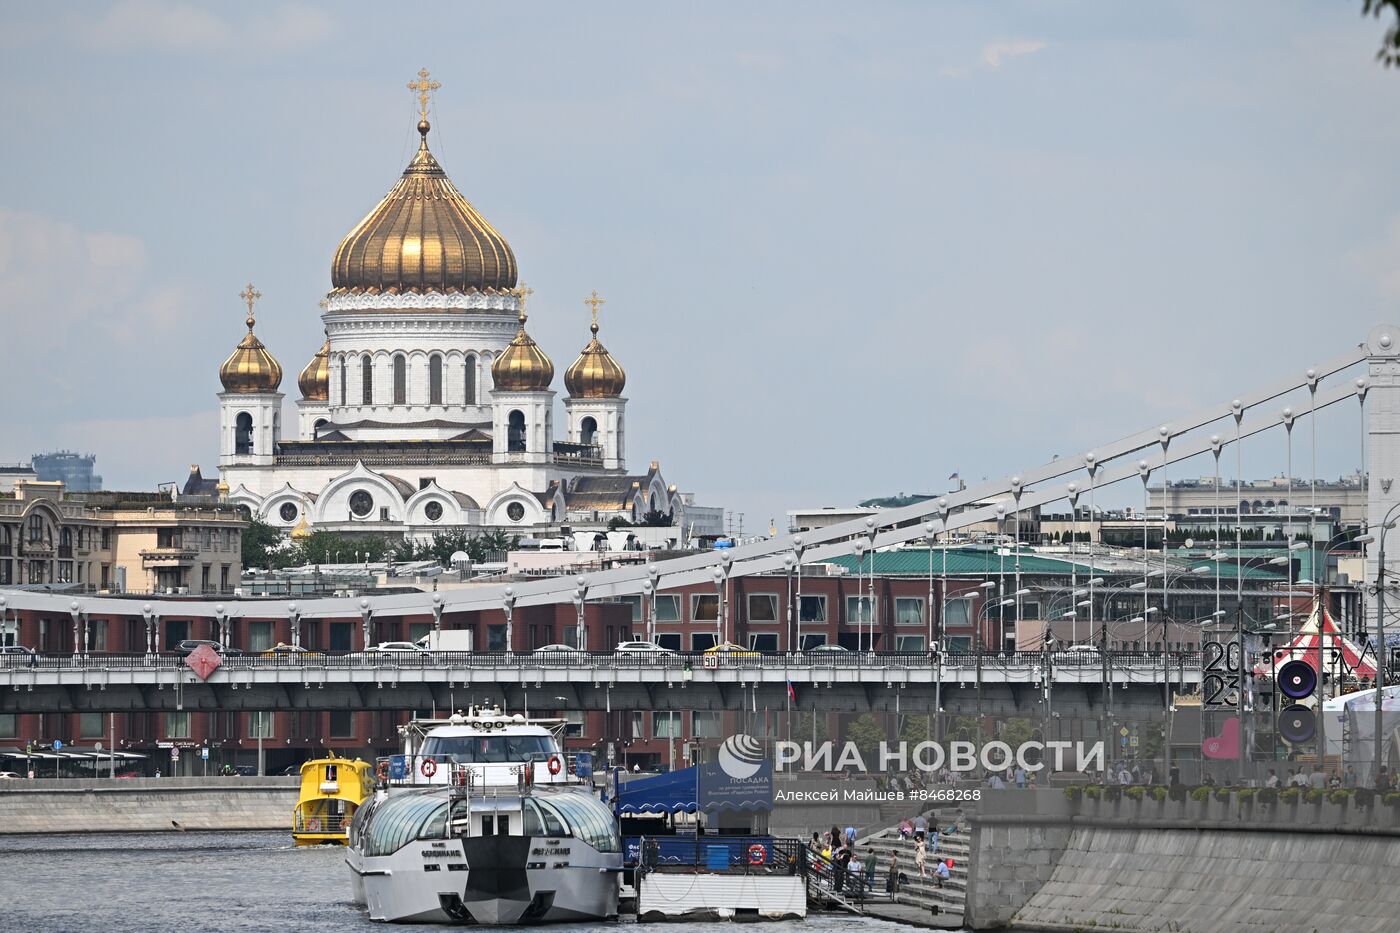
(429, 406)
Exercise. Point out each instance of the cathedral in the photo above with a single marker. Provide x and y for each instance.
(429, 405)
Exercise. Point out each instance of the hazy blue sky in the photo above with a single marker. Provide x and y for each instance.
(848, 249)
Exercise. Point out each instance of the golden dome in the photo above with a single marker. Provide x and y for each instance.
(250, 368)
(595, 374)
(301, 532)
(523, 367)
(315, 379)
(423, 237)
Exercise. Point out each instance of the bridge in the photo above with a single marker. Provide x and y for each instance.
(1368, 374)
(832, 681)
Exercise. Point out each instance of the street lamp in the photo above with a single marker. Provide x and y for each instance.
(1386, 525)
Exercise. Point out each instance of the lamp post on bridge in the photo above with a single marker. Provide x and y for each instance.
(508, 604)
(580, 606)
(294, 619)
(789, 563)
(437, 616)
(75, 609)
(152, 618)
(1381, 649)
(654, 578)
(798, 546)
(366, 614)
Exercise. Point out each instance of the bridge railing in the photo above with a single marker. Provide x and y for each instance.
(578, 660)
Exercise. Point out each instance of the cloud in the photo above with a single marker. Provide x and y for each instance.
(173, 26)
(994, 53)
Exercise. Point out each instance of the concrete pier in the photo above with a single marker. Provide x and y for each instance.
(103, 805)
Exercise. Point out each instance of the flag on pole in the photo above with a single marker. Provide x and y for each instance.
(792, 694)
(953, 476)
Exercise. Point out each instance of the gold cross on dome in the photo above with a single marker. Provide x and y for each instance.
(422, 87)
(593, 301)
(250, 295)
(521, 293)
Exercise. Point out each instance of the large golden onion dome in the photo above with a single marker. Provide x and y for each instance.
(595, 374)
(423, 237)
(523, 367)
(250, 368)
(315, 379)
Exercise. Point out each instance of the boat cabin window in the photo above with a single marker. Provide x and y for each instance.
(489, 749)
(330, 772)
(541, 821)
(587, 819)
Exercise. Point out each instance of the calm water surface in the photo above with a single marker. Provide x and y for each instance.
(225, 881)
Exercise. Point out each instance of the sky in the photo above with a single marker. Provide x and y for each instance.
(847, 249)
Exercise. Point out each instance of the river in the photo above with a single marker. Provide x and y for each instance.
(218, 881)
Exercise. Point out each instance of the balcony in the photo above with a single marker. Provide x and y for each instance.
(172, 556)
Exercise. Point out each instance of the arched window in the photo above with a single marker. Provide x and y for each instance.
(316, 428)
(515, 435)
(470, 397)
(343, 399)
(1244, 507)
(243, 433)
(588, 431)
(400, 380)
(435, 380)
(366, 381)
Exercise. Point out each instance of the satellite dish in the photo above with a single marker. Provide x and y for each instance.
(459, 557)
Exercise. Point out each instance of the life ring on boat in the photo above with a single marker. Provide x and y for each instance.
(757, 854)
(428, 767)
(555, 765)
(313, 825)
(382, 771)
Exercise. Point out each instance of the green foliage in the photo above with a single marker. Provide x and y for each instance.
(916, 729)
(1222, 794)
(1288, 795)
(1094, 792)
(865, 733)
(1313, 795)
(1158, 794)
(655, 518)
(1246, 795)
(264, 547)
(1134, 793)
(1200, 793)
(1112, 792)
(1073, 792)
(1268, 796)
(1391, 798)
(1339, 795)
(804, 730)
(617, 521)
(1016, 732)
(1389, 53)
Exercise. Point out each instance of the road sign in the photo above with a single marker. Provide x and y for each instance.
(204, 752)
(1133, 741)
(1123, 731)
(1124, 741)
(174, 753)
(57, 745)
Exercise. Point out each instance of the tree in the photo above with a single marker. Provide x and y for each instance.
(866, 734)
(1016, 732)
(655, 518)
(1389, 54)
(617, 521)
(265, 547)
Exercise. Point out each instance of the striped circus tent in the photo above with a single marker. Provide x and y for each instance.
(1340, 655)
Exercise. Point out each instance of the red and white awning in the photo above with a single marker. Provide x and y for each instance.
(1340, 655)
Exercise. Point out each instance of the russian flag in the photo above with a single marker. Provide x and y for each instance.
(792, 694)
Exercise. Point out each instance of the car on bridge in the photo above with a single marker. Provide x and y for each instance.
(188, 646)
(730, 650)
(396, 647)
(642, 649)
(18, 655)
(283, 650)
(563, 650)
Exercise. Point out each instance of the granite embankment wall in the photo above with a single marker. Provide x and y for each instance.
(146, 804)
(1186, 867)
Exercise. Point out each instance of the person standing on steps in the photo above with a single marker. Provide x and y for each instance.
(920, 857)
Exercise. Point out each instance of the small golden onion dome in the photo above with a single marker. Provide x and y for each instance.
(523, 367)
(423, 237)
(222, 489)
(250, 368)
(302, 531)
(315, 379)
(595, 374)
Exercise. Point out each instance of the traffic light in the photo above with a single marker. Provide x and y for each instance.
(1297, 681)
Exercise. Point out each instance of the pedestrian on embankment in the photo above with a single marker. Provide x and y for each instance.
(920, 857)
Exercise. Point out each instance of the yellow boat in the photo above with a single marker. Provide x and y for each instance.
(332, 789)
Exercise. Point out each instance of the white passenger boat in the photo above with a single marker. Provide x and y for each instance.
(480, 822)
